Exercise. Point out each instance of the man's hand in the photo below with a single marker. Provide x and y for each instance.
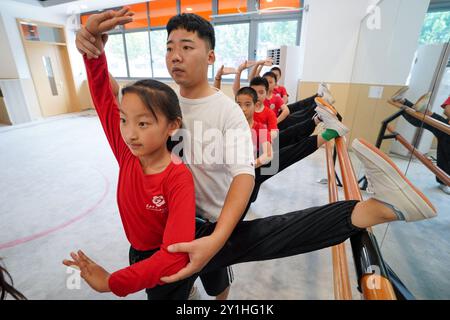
(92, 273)
(200, 252)
(90, 40)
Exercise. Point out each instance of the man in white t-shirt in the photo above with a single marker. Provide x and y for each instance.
(223, 182)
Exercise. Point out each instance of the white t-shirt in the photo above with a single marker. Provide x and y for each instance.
(217, 146)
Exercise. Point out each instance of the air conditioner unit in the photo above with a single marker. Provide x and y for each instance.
(287, 58)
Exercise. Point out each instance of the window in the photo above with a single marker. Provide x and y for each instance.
(84, 18)
(140, 19)
(274, 34)
(116, 55)
(231, 46)
(138, 54)
(436, 28)
(239, 37)
(232, 6)
(158, 40)
(161, 11)
(201, 7)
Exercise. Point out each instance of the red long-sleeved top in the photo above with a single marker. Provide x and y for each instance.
(156, 210)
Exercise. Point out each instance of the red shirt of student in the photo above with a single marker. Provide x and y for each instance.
(157, 210)
(266, 117)
(274, 103)
(260, 134)
(281, 91)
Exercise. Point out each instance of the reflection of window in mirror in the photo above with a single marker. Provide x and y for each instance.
(50, 75)
(436, 28)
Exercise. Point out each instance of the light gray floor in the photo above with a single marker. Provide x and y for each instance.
(58, 182)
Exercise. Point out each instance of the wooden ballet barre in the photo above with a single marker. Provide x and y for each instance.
(365, 250)
(441, 174)
(341, 279)
(423, 117)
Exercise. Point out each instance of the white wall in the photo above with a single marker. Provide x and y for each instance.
(77, 64)
(385, 55)
(8, 69)
(9, 11)
(338, 47)
(14, 64)
(329, 37)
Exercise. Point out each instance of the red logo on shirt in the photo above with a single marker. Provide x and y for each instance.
(157, 205)
(158, 201)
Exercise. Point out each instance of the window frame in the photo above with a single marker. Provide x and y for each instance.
(227, 24)
(251, 16)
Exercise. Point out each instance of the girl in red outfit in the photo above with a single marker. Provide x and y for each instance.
(155, 192)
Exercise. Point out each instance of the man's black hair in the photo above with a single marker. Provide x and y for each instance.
(193, 23)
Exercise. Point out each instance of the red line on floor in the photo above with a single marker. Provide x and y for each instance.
(16, 242)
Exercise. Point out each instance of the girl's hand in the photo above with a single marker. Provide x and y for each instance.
(227, 70)
(268, 62)
(90, 39)
(99, 23)
(222, 71)
(245, 65)
(219, 73)
(92, 273)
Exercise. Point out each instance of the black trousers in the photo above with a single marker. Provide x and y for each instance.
(443, 139)
(282, 159)
(275, 237)
(295, 133)
(300, 111)
(214, 282)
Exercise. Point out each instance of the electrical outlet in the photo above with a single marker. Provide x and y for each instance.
(376, 92)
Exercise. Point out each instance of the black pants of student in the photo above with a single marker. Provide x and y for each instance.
(295, 133)
(272, 238)
(443, 139)
(303, 105)
(283, 158)
(214, 282)
(300, 111)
